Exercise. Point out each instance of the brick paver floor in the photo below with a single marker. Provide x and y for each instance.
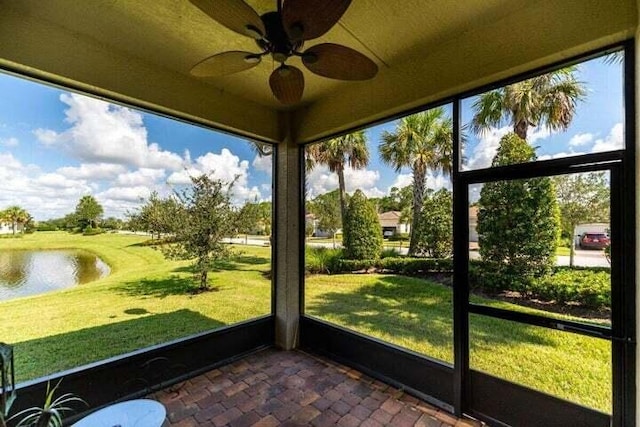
(292, 388)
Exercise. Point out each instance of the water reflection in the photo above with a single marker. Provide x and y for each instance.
(33, 272)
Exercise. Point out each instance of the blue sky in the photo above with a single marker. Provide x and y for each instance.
(56, 146)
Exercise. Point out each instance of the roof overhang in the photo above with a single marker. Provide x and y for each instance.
(141, 53)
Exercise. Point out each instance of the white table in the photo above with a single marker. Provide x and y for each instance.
(132, 413)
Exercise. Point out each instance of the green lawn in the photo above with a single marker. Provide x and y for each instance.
(144, 301)
(417, 314)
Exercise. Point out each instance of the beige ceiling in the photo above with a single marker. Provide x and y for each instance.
(141, 52)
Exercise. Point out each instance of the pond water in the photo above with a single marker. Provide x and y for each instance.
(25, 273)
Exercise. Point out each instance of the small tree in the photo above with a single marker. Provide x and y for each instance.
(582, 198)
(265, 210)
(362, 236)
(157, 216)
(206, 218)
(518, 220)
(435, 235)
(327, 208)
(88, 211)
(247, 220)
(16, 216)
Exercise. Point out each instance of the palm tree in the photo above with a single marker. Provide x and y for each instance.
(420, 142)
(548, 100)
(15, 215)
(337, 153)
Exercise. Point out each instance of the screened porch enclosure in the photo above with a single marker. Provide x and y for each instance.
(454, 348)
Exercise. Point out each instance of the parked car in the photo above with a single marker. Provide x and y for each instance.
(594, 241)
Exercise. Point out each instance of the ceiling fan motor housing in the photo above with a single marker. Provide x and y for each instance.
(276, 41)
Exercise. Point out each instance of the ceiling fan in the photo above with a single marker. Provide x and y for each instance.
(282, 34)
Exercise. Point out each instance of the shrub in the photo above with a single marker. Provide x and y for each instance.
(90, 231)
(362, 232)
(435, 233)
(415, 266)
(399, 237)
(589, 287)
(321, 260)
(350, 265)
(518, 220)
(389, 253)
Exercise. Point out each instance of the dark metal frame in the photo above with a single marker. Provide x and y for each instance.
(492, 399)
(141, 372)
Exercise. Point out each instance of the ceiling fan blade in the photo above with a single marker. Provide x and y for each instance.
(287, 84)
(236, 15)
(309, 19)
(338, 62)
(225, 63)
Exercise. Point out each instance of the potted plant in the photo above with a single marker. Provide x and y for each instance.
(49, 415)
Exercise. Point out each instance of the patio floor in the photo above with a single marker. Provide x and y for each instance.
(293, 388)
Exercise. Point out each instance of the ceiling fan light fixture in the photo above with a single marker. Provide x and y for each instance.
(282, 34)
(279, 57)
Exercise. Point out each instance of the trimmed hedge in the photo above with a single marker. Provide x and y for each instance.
(414, 266)
(90, 231)
(589, 287)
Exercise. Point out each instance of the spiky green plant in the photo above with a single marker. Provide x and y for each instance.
(52, 412)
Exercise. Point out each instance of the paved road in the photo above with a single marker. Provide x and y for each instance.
(583, 258)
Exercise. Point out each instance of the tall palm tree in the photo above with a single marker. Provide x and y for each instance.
(548, 100)
(15, 215)
(421, 142)
(337, 153)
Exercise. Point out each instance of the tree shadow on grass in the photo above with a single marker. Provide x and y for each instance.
(235, 263)
(70, 349)
(410, 309)
(159, 288)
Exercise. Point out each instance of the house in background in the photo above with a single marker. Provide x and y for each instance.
(390, 223)
(7, 228)
(473, 223)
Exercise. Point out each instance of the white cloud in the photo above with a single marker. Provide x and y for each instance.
(58, 181)
(46, 137)
(226, 167)
(126, 194)
(581, 139)
(613, 141)
(263, 164)
(538, 134)
(106, 133)
(320, 180)
(44, 195)
(9, 142)
(92, 171)
(8, 162)
(559, 155)
(402, 180)
(434, 181)
(437, 182)
(484, 152)
(144, 177)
